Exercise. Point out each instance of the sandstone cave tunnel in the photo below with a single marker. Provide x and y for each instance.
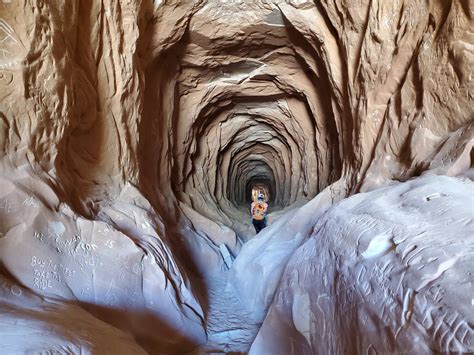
(135, 136)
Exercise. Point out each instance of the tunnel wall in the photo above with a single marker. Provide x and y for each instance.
(355, 97)
(177, 101)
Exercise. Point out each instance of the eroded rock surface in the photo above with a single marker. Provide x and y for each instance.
(383, 271)
(32, 324)
(121, 270)
(133, 132)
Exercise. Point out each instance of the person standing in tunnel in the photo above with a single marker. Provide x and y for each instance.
(259, 213)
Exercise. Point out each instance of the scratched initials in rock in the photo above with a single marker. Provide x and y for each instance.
(10, 46)
(5, 206)
(87, 247)
(109, 243)
(31, 202)
(6, 32)
(35, 261)
(42, 284)
(39, 236)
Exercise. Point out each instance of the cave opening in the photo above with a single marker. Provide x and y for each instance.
(257, 188)
(260, 180)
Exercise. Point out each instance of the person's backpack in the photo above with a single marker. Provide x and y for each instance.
(259, 212)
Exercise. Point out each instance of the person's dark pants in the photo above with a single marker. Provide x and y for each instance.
(259, 225)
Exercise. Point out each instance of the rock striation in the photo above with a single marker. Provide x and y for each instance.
(132, 134)
(378, 275)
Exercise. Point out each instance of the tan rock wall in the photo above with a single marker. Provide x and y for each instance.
(102, 93)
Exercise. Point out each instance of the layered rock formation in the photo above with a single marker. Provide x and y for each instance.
(132, 134)
(118, 267)
(382, 271)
